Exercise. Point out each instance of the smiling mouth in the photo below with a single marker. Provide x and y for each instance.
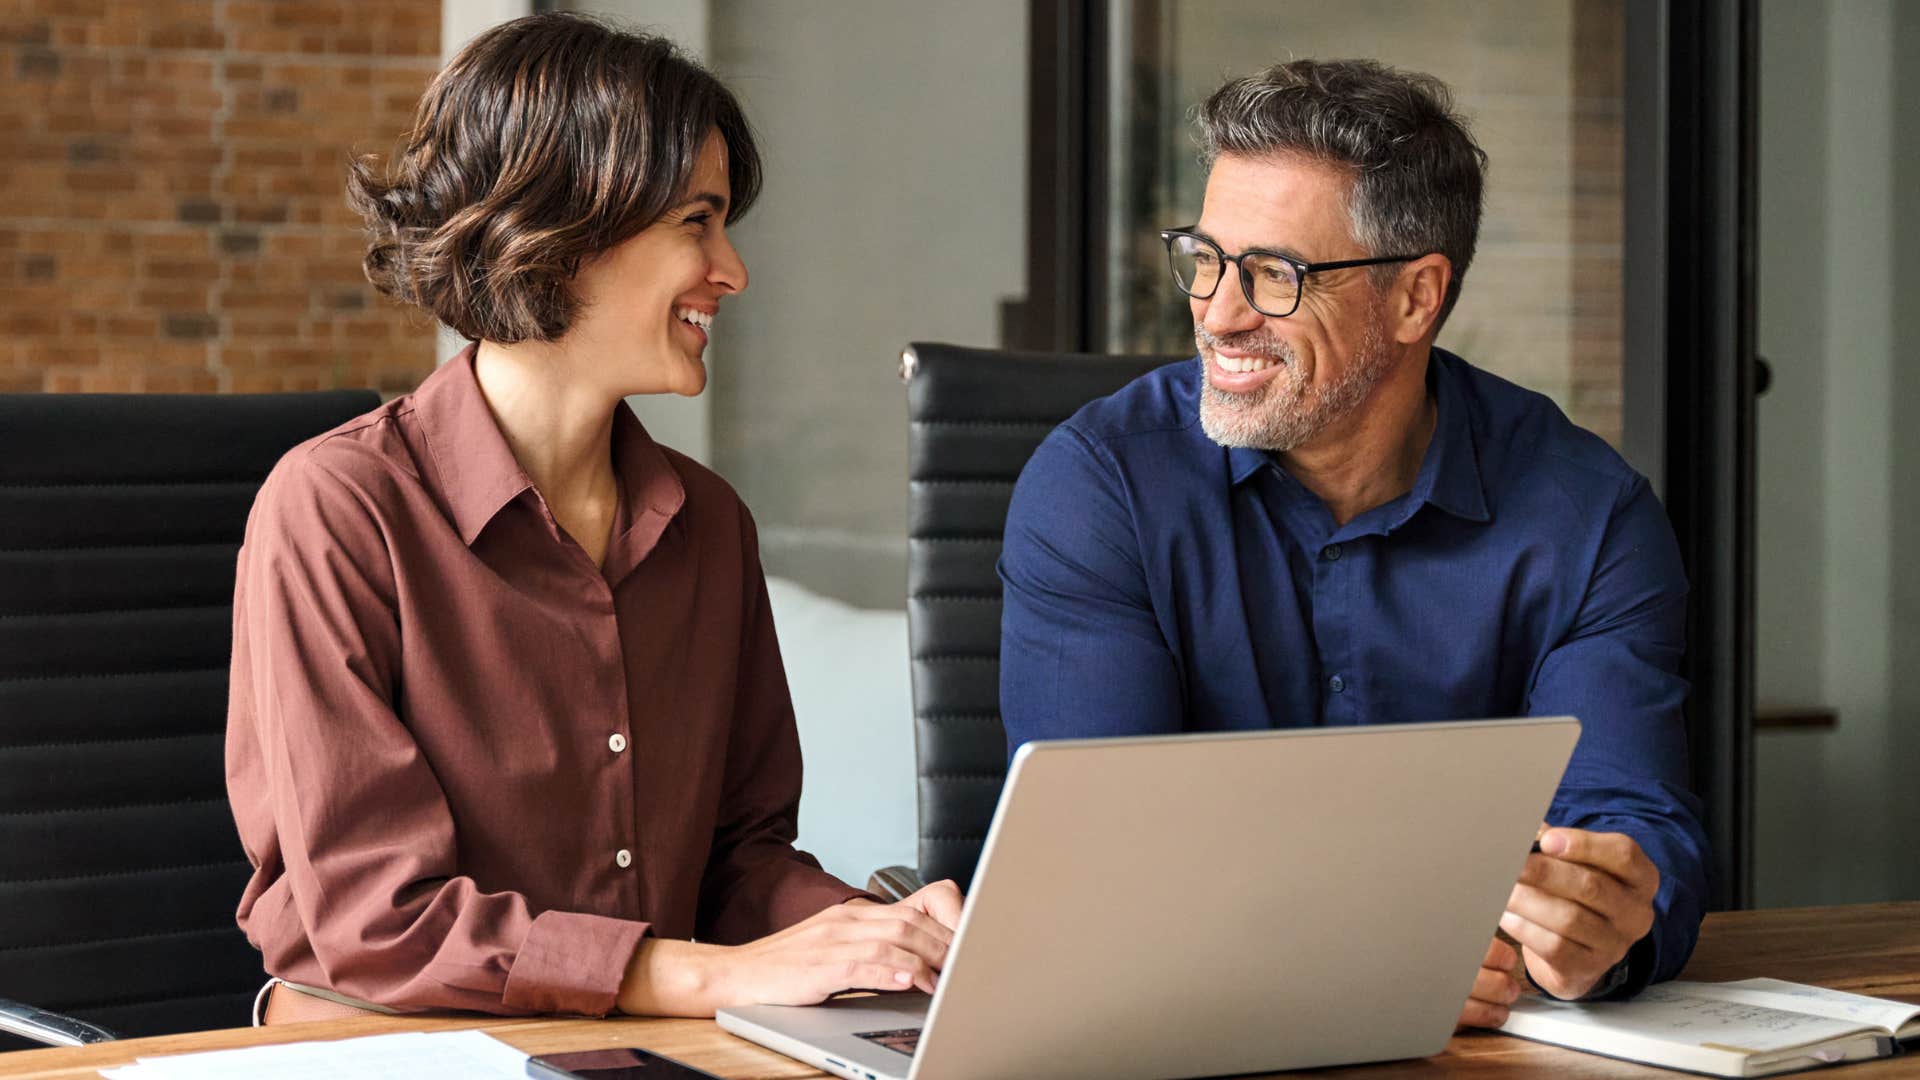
(1243, 365)
(694, 317)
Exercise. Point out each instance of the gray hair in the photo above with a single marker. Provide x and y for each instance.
(1417, 173)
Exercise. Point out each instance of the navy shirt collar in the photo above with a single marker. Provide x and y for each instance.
(1449, 477)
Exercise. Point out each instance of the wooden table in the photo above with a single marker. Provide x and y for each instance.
(1867, 948)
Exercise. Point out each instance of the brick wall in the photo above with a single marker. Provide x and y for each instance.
(172, 215)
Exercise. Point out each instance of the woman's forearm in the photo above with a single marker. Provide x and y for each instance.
(671, 978)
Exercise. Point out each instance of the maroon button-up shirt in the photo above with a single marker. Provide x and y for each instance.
(471, 768)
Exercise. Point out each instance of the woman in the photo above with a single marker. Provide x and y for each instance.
(508, 723)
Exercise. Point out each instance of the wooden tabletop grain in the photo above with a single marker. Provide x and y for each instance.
(1867, 948)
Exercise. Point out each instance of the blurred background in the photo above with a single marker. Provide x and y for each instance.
(1676, 193)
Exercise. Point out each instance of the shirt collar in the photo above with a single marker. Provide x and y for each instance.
(477, 470)
(1449, 477)
(479, 475)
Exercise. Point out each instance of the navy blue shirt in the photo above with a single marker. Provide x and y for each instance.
(1157, 582)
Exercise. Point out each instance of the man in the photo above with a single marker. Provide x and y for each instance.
(1330, 521)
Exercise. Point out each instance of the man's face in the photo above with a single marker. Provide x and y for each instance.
(1280, 383)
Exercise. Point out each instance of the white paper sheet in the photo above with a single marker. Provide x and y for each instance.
(414, 1055)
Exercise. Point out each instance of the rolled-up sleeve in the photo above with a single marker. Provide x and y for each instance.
(756, 881)
(1618, 671)
(341, 796)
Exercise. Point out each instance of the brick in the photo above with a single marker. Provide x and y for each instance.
(182, 127)
(176, 296)
(32, 324)
(288, 13)
(263, 327)
(90, 151)
(260, 213)
(186, 36)
(37, 64)
(269, 156)
(183, 243)
(21, 31)
(363, 332)
(248, 40)
(183, 382)
(62, 354)
(131, 326)
(199, 211)
(259, 299)
(109, 382)
(240, 243)
(194, 326)
(182, 269)
(177, 69)
(112, 179)
(79, 9)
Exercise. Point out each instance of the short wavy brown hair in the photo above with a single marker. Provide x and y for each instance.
(547, 141)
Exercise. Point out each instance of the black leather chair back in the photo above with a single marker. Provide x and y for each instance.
(975, 416)
(120, 519)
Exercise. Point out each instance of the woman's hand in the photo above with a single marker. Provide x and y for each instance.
(858, 945)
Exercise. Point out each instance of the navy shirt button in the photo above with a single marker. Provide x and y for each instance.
(1336, 684)
(1331, 553)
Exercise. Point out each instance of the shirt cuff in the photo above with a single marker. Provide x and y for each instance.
(572, 963)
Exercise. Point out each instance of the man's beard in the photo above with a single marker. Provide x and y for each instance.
(1286, 412)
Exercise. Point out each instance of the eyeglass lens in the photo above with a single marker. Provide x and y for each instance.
(1197, 266)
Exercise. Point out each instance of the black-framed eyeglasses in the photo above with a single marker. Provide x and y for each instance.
(1272, 282)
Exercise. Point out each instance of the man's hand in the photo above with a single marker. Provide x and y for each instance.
(1495, 988)
(1581, 903)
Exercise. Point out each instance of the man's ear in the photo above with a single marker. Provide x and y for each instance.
(1418, 294)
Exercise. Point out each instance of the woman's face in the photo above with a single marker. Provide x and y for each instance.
(646, 304)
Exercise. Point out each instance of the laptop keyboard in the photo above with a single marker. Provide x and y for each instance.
(905, 1040)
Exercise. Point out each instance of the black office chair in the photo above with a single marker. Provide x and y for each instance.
(975, 416)
(120, 519)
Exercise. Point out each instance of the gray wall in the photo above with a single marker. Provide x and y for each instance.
(895, 210)
(1839, 594)
(1903, 736)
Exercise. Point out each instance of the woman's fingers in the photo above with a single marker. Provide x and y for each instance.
(877, 966)
(906, 927)
(941, 901)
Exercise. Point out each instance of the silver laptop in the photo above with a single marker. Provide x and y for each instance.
(1198, 905)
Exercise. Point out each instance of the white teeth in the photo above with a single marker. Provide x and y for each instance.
(698, 318)
(1243, 364)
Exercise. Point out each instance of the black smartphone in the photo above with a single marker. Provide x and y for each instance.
(625, 1063)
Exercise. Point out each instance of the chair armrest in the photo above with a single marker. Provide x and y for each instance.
(895, 883)
(48, 1027)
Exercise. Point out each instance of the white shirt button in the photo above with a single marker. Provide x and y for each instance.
(623, 858)
(616, 742)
